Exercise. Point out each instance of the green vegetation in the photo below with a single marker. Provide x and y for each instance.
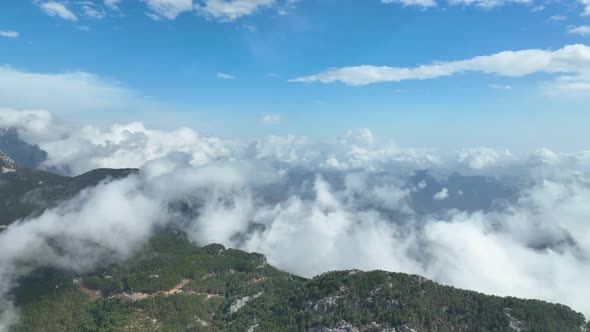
(217, 289)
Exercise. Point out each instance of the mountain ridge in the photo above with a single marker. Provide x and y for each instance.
(26, 192)
(173, 285)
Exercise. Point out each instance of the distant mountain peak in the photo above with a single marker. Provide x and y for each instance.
(7, 165)
(25, 154)
(9, 132)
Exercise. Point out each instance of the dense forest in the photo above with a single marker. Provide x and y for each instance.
(172, 285)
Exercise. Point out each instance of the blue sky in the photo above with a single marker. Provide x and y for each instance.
(247, 68)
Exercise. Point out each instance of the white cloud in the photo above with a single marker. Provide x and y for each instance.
(363, 136)
(75, 150)
(87, 232)
(168, 9)
(500, 87)
(232, 9)
(91, 11)
(544, 156)
(112, 4)
(419, 3)
(486, 4)
(479, 158)
(582, 30)
(569, 85)
(224, 76)
(271, 118)
(572, 59)
(9, 34)
(586, 5)
(64, 92)
(323, 207)
(441, 195)
(557, 18)
(53, 8)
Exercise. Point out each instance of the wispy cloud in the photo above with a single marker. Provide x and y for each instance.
(557, 18)
(572, 60)
(9, 34)
(500, 87)
(486, 4)
(91, 11)
(419, 3)
(224, 76)
(112, 4)
(582, 30)
(168, 9)
(53, 8)
(230, 10)
(271, 118)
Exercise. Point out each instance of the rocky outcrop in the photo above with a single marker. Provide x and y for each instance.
(513, 323)
(239, 303)
(7, 165)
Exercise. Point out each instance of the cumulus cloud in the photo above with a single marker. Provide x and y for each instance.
(571, 60)
(478, 158)
(586, 5)
(129, 145)
(441, 195)
(76, 149)
(362, 137)
(232, 9)
(59, 9)
(64, 92)
(313, 207)
(9, 34)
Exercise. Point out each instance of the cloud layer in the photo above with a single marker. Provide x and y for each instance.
(313, 207)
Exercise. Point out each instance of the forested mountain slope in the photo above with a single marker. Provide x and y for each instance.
(172, 285)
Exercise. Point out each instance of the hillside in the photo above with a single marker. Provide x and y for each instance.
(172, 285)
(26, 191)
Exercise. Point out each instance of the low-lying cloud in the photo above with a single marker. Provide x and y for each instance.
(310, 207)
